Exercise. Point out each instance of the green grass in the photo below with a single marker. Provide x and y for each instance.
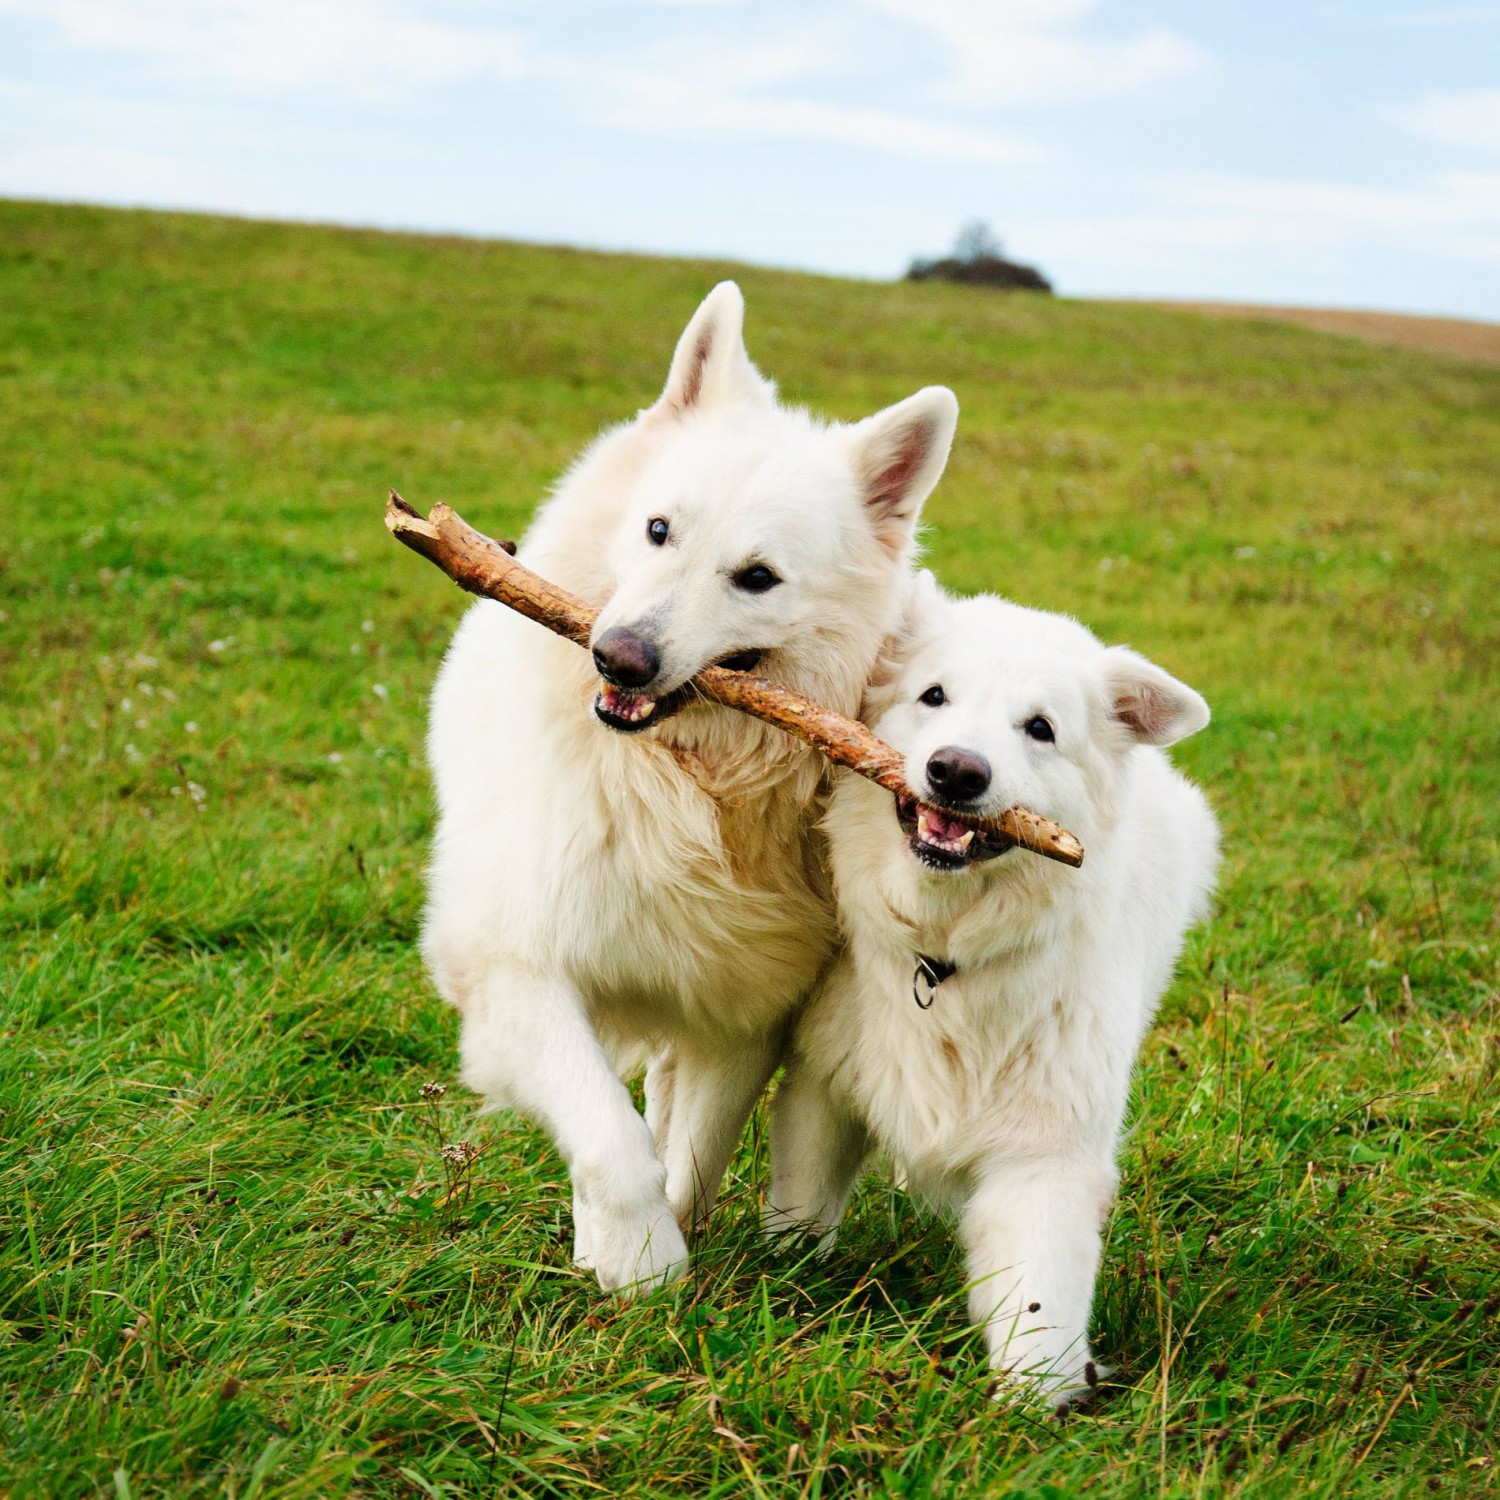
(228, 1266)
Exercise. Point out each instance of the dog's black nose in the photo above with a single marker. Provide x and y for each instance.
(957, 775)
(626, 660)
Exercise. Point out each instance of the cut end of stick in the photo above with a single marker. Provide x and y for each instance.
(402, 520)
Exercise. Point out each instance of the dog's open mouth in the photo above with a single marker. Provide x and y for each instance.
(945, 841)
(630, 712)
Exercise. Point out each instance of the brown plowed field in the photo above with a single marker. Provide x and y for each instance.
(1462, 337)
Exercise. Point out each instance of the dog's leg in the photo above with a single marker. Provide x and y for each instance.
(527, 1045)
(817, 1147)
(583, 1236)
(661, 1079)
(711, 1097)
(1032, 1235)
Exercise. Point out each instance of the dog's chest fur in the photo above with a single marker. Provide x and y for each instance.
(677, 886)
(710, 913)
(1003, 1059)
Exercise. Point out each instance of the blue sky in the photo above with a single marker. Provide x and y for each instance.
(1336, 153)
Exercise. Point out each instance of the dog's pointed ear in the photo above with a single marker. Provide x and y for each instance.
(898, 457)
(1150, 705)
(711, 363)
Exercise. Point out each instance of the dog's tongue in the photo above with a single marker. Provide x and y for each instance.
(632, 707)
(947, 834)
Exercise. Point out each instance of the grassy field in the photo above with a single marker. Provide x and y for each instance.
(232, 1263)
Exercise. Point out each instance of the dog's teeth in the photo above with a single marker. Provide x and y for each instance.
(645, 708)
(961, 845)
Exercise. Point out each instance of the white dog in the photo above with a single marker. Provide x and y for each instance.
(1001, 1091)
(621, 873)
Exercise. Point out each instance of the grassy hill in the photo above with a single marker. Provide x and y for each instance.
(229, 1264)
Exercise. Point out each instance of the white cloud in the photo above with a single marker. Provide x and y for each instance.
(673, 105)
(692, 84)
(1470, 120)
(1030, 51)
(284, 44)
(995, 51)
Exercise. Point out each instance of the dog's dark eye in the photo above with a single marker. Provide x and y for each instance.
(657, 529)
(934, 697)
(756, 580)
(1040, 729)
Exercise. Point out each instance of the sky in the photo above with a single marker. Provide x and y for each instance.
(1329, 152)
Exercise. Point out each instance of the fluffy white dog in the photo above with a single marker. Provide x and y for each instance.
(621, 873)
(1000, 1092)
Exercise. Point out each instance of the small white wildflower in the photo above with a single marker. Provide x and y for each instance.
(434, 1090)
(191, 726)
(196, 792)
(1244, 552)
(176, 791)
(132, 754)
(460, 1153)
(217, 646)
(124, 705)
(368, 626)
(336, 758)
(379, 690)
(1105, 564)
(145, 689)
(143, 723)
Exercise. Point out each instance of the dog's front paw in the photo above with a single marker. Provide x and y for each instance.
(634, 1252)
(1060, 1388)
(795, 1232)
(798, 1230)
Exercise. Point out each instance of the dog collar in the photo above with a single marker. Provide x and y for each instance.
(930, 972)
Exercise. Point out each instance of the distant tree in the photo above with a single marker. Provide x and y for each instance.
(977, 241)
(978, 260)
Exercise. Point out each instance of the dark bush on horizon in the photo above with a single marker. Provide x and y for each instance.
(976, 260)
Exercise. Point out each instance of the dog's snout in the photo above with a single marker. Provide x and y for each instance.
(958, 775)
(626, 659)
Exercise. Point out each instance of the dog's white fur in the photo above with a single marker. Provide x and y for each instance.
(1005, 1099)
(598, 900)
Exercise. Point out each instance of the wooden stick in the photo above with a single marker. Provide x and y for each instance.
(483, 566)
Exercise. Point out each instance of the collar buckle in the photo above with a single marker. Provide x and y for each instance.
(929, 974)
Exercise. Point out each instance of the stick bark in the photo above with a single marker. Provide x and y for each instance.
(486, 567)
